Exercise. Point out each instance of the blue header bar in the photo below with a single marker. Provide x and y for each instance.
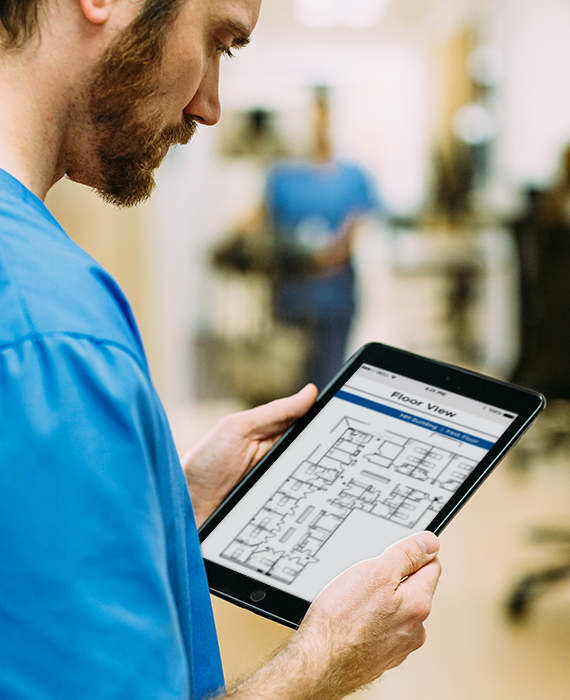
(415, 420)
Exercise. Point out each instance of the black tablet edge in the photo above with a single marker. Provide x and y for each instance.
(273, 605)
(471, 376)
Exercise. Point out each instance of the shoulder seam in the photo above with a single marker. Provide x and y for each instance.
(35, 336)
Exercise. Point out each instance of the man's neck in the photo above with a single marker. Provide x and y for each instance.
(30, 121)
(43, 100)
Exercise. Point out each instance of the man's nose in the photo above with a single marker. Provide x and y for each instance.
(205, 106)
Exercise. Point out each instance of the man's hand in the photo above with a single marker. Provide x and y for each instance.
(227, 453)
(365, 622)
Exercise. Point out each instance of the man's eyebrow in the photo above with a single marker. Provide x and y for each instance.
(240, 33)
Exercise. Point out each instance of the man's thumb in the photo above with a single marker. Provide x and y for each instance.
(409, 555)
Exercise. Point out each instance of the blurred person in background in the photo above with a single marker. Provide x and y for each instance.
(302, 238)
(316, 206)
(102, 587)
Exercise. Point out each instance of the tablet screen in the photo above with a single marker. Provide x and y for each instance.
(375, 465)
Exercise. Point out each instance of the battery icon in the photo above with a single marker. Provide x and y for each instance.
(508, 415)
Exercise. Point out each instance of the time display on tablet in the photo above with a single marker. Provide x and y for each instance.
(377, 463)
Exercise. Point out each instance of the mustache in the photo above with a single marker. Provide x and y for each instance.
(181, 134)
(149, 154)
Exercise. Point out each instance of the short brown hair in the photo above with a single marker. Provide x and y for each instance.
(19, 19)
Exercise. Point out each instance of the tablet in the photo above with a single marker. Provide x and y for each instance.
(394, 445)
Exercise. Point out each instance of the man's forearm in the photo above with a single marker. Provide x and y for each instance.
(297, 672)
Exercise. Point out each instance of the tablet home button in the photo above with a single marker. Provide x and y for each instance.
(257, 596)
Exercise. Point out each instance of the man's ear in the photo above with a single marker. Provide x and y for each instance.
(97, 11)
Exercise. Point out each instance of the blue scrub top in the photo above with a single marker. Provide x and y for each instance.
(307, 204)
(103, 592)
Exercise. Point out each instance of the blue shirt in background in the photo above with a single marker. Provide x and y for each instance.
(307, 204)
(103, 592)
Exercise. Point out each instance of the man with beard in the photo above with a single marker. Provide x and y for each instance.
(102, 587)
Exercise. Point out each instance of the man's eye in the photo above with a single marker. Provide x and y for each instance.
(226, 50)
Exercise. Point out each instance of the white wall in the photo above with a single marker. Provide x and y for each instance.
(535, 96)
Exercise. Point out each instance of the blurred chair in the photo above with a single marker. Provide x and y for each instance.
(535, 584)
(543, 241)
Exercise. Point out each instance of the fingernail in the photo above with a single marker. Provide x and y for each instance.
(428, 542)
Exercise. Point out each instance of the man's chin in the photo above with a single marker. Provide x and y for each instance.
(127, 191)
(123, 181)
(129, 197)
